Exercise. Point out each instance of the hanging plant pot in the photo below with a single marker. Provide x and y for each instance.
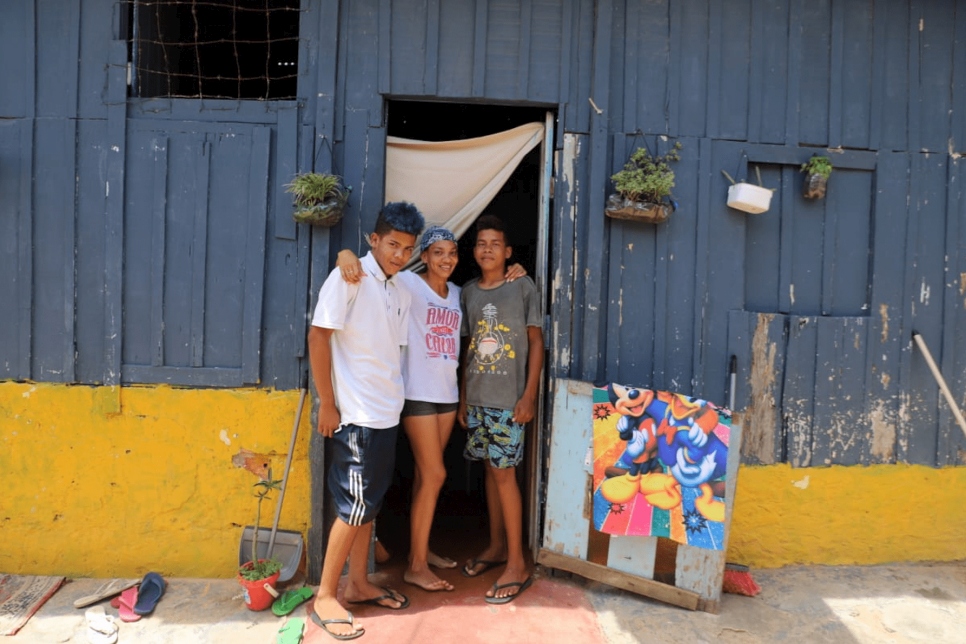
(748, 197)
(328, 213)
(620, 208)
(814, 186)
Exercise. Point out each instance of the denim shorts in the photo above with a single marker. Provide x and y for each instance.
(422, 408)
(494, 437)
(361, 470)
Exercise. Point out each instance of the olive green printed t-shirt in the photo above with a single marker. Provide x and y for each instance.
(496, 322)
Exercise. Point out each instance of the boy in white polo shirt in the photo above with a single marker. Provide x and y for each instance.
(355, 352)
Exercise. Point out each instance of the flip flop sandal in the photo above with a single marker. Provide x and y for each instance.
(290, 600)
(509, 598)
(152, 587)
(391, 595)
(108, 589)
(487, 565)
(124, 603)
(323, 624)
(291, 631)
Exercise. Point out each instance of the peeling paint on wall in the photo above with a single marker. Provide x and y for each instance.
(759, 438)
(884, 314)
(883, 432)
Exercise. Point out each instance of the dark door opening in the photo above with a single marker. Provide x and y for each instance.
(460, 526)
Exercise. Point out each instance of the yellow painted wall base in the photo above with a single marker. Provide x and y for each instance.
(110, 481)
(848, 515)
(105, 482)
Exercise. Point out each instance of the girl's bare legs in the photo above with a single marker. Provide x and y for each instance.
(428, 436)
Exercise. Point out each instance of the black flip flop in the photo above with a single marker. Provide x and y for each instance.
(323, 624)
(391, 594)
(487, 565)
(509, 598)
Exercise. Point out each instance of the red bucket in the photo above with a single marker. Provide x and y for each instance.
(260, 594)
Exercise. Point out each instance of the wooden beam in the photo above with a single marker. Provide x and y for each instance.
(633, 583)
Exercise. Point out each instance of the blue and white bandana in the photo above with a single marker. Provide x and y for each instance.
(434, 234)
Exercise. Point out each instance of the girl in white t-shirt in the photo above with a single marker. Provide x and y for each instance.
(432, 391)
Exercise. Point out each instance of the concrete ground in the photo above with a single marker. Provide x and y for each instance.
(895, 603)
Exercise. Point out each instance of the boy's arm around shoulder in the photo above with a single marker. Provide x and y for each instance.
(526, 408)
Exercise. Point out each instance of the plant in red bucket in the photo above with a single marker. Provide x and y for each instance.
(259, 576)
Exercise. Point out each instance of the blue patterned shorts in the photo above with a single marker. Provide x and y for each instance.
(493, 436)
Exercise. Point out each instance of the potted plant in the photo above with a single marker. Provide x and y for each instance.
(817, 171)
(320, 198)
(259, 576)
(644, 187)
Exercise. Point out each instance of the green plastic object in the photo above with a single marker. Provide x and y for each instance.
(290, 600)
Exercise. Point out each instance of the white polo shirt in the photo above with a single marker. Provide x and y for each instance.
(371, 322)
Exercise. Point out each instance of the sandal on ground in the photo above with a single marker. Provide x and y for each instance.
(290, 600)
(291, 631)
(324, 625)
(391, 595)
(523, 585)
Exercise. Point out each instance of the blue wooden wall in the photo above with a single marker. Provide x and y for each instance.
(150, 240)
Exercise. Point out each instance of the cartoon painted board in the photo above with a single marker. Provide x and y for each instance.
(659, 465)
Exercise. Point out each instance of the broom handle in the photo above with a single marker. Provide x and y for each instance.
(288, 465)
(940, 380)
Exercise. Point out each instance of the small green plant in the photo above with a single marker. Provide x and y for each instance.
(647, 178)
(818, 165)
(319, 198)
(258, 569)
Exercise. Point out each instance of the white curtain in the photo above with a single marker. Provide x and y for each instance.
(451, 182)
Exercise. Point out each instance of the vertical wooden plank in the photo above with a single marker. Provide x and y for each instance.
(158, 220)
(688, 68)
(958, 134)
(567, 518)
(763, 241)
(384, 33)
(925, 268)
(887, 305)
(286, 162)
(736, 64)
(788, 240)
(524, 46)
(705, 359)
(798, 391)
(648, 62)
(857, 70)
(937, 58)
(431, 67)
(17, 50)
(567, 68)
(793, 81)
(837, 71)
(815, 71)
(877, 91)
(829, 258)
(57, 67)
(851, 200)
(479, 47)
(114, 193)
(615, 302)
(454, 73)
(53, 231)
(952, 442)
(303, 293)
(199, 258)
(839, 434)
(714, 68)
(594, 232)
(255, 254)
(547, 56)
(767, 107)
(740, 334)
(914, 88)
(564, 244)
(762, 421)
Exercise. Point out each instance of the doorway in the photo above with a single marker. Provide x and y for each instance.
(460, 528)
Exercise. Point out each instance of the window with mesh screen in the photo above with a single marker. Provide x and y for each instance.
(230, 49)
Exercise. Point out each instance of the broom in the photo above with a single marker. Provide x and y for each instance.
(738, 581)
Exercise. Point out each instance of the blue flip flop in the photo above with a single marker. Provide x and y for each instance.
(149, 593)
